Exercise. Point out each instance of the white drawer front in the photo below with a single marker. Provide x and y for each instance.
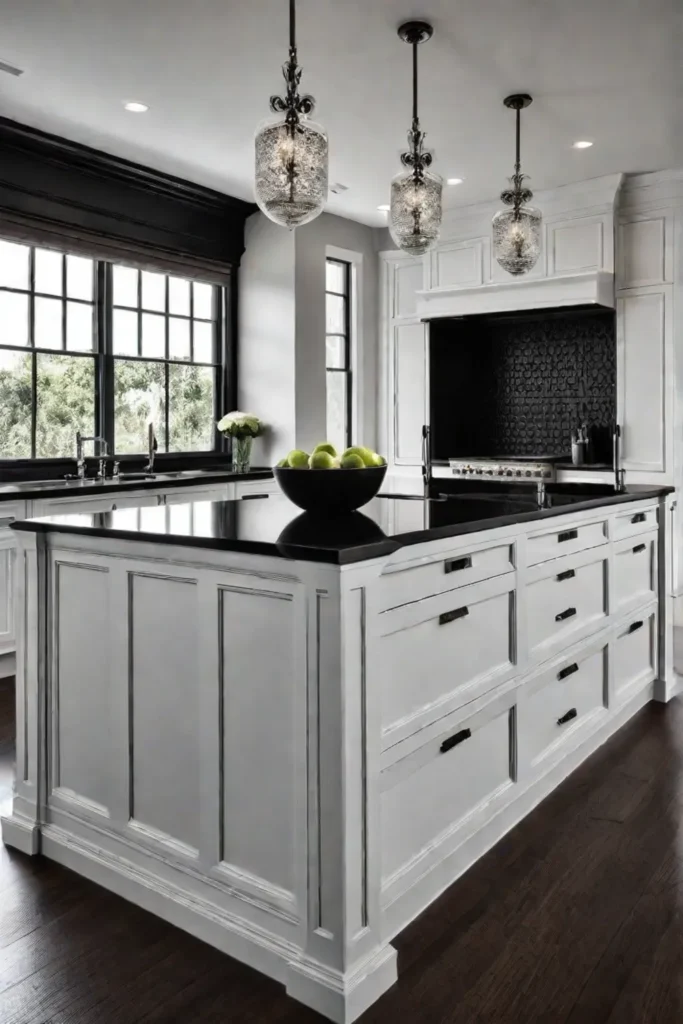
(635, 654)
(442, 652)
(626, 524)
(635, 572)
(457, 569)
(245, 488)
(561, 702)
(564, 606)
(186, 495)
(558, 541)
(426, 797)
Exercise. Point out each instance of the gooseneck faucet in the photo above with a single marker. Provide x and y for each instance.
(152, 446)
(80, 458)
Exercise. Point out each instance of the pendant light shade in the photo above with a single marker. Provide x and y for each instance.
(291, 152)
(416, 193)
(517, 230)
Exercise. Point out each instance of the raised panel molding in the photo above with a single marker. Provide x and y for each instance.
(7, 577)
(645, 252)
(458, 263)
(576, 245)
(409, 397)
(643, 358)
(408, 281)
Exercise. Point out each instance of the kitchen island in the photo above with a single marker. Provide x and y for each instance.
(288, 738)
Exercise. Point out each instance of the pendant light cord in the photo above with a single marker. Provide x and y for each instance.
(292, 27)
(518, 137)
(415, 117)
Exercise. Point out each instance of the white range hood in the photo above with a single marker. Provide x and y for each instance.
(590, 288)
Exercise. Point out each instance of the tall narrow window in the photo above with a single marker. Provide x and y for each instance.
(47, 351)
(165, 343)
(338, 352)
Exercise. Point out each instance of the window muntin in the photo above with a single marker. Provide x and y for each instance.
(338, 352)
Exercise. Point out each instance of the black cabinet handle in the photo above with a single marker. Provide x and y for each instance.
(568, 574)
(455, 564)
(459, 613)
(638, 548)
(635, 626)
(572, 713)
(566, 614)
(639, 517)
(568, 671)
(567, 535)
(253, 497)
(453, 741)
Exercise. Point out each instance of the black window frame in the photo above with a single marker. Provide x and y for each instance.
(103, 357)
(347, 369)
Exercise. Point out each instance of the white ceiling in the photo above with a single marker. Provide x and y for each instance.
(606, 70)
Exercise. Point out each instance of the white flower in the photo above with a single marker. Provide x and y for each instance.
(241, 424)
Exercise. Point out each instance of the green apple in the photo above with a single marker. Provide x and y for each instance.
(326, 447)
(282, 463)
(352, 461)
(297, 459)
(363, 453)
(379, 460)
(322, 460)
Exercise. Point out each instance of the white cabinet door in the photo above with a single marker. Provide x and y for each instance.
(7, 569)
(247, 488)
(214, 492)
(91, 504)
(410, 392)
(645, 378)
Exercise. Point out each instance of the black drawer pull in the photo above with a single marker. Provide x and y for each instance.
(459, 613)
(639, 517)
(568, 671)
(635, 626)
(455, 564)
(566, 614)
(567, 535)
(638, 548)
(572, 713)
(254, 497)
(568, 574)
(453, 741)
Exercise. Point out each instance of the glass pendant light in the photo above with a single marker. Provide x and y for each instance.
(415, 212)
(291, 152)
(517, 231)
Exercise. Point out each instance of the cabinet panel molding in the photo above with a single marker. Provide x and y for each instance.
(458, 263)
(644, 256)
(577, 245)
(408, 281)
(409, 397)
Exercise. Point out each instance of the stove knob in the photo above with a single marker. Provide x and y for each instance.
(509, 472)
(528, 472)
(479, 471)
(501, 472)
(490, 472)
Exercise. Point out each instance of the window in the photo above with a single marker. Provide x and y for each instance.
(47, 346)
(105, 349)
(165, 347)
(338, 352)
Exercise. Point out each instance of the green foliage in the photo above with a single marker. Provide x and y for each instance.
(66, 403)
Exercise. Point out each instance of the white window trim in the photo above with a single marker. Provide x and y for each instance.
(333, 252)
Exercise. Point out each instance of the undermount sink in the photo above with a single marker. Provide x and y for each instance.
(140, 476)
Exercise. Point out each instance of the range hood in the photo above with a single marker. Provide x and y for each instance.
(590, 288)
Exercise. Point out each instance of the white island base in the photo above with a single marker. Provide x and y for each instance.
(291, 759)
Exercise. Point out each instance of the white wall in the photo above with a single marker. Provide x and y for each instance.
(266, 354)
(282, 329)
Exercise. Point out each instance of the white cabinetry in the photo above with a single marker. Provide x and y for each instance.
(9, 511)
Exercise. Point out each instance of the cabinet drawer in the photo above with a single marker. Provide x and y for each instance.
(562, 701)
(635, 654)
(564, 540)
(186, 495)
(456, 569)
(565, 605)
(626, 524)
(247, 488)
(635, 571)
(437, 654)
(428, 795)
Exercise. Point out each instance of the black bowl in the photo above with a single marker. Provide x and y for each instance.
(330, 492)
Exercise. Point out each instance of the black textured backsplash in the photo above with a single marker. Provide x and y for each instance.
(520, 385)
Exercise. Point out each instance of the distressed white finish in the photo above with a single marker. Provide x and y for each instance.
(251, 747)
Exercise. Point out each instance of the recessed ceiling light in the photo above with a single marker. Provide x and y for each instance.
(384, 208)
(582, 144)
(455, 181)
(136, 108)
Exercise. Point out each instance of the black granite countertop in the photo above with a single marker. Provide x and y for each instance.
(271, 525)
(27, 490)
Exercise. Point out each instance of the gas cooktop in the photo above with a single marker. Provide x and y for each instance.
(522, 469)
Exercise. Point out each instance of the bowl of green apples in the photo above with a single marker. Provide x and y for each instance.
(328, 483)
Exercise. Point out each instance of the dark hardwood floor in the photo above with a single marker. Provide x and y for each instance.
(574, 917)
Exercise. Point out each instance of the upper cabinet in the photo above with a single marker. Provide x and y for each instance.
(645, 250)
(408, 280)
(459, 264)
(585, 243)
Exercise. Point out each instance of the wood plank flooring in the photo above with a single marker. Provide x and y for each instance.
(574, 918)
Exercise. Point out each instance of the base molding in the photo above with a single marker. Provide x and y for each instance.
(340, 997)
(343, 998)
(21, 834)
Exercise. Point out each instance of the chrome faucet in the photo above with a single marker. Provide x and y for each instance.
(80, 459)
(152, 446)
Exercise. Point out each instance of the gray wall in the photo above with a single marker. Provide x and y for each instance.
(282, 330)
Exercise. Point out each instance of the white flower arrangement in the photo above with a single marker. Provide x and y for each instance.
(241, 425)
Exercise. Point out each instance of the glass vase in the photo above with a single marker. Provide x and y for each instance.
(241, 454)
